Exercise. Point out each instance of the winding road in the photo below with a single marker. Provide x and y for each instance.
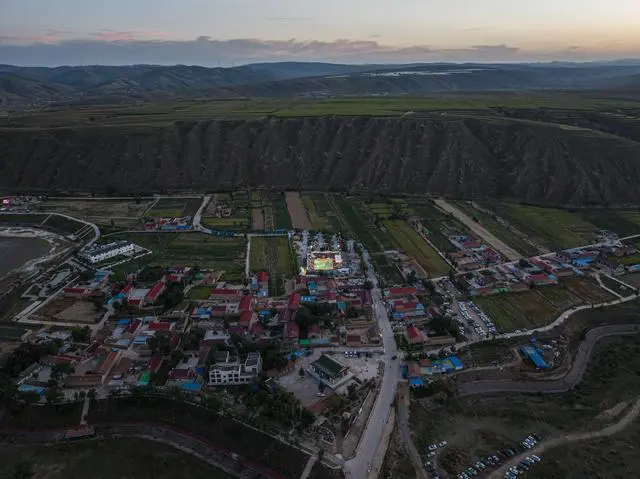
(610, 430)
(573, 377)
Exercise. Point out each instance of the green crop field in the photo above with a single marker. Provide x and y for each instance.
(188, 249)
(501, 232)
(623, 221)
(194, 110)
(322, 215)
(281, 218)
(439, 225)
(540, 306)
(174, 207)
(359, 221)
(552, 227)
(272, 254)
(411, 243)
(199, 292)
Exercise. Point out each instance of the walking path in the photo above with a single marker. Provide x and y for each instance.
(569, 381)
(480, 230)
(583, 436)
(308, 467)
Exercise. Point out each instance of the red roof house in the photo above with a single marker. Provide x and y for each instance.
(246, 303)
(414, 335)
(262, 277)
(247, 318)
(155, 292)
(399, 292)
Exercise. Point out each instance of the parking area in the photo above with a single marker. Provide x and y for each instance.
(493, 461)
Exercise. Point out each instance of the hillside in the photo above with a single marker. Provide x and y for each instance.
(448, 155)
(22, 87)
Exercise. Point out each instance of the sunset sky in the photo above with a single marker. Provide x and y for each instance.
(228, 32)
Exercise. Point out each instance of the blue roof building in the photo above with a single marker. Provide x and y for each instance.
(532, 354)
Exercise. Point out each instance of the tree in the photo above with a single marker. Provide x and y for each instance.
(301, 373)
(411, 277)
(53, 395)
(368, 285)
(8, 389)
(82, 335)
(321, 387)
(92, 394)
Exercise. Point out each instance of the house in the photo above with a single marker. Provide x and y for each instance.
(213, 337)
(97, 254)
(329, 370)
(247, 318)
(291, 330)
(155, 292)
(354, 340)
(246, 304)
(228, 373)
(415, 336)
(400, 292)
(542, 279)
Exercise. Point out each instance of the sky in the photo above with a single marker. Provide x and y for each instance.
(234, 32)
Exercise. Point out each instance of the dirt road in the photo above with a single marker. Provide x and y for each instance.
(480, 230)
(573, 377)
(582, 436)
(405, 432)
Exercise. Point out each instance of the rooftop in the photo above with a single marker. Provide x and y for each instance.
(329, 365)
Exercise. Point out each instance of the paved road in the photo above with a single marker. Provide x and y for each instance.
(578, 368)
(628, 418)
(370, 442)
(480, 230)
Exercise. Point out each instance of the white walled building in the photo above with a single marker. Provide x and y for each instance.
(97, 254)
(234, 373)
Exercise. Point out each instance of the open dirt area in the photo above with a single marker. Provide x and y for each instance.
(81, 312)
(297, 211)
(257, 219)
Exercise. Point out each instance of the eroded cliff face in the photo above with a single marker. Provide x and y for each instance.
(518, 159)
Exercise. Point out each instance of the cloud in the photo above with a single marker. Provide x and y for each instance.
(115, 47)
(289, 19)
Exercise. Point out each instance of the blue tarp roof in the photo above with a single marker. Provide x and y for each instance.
(456, 362)
(534, 356)
(416, 382)
(191, 386)
(24, 388)
(140, 339)
(124, 321)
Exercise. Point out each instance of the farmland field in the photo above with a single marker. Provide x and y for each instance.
(411, 243)
(97, 208)
(321, 214)
(360, 222)
(189, 249)
(174, 207)
(297, 211)
(555, 228)
(439, 225)
(240, 219)
(498, 230)
(623, 221)
(540, 306)
(272, 254)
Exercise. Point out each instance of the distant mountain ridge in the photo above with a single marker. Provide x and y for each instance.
(29, 86)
